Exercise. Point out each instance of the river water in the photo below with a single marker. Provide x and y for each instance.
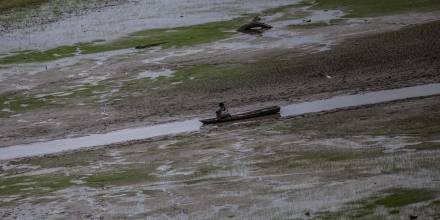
(56, 146)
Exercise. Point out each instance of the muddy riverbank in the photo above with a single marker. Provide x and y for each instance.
(364, 162)
(255, 78)
(133, 135)
(373, 161)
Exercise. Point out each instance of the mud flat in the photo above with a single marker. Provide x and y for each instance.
(379, 161)
(133, 134)
(99, 98)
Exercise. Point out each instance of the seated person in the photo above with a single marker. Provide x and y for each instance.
(222, 112)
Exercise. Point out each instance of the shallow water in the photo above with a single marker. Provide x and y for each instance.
(41, 148)
(130, 17)
(281, 36)
(360, 99)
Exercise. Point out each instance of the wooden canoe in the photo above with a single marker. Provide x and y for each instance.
(245, 115)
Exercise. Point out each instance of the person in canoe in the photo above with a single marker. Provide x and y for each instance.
(222, 112)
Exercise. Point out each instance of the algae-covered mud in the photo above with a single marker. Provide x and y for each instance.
(98, 82)
(174, 128)
(377, 162)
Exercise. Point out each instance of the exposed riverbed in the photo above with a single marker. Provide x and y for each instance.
(131, 134)
(96, 129)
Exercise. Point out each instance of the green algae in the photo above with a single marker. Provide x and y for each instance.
(392, 199)
(17, 103)
(174, 37)
(11, 4)
(119, 177)
(25, 186)
(398, 197)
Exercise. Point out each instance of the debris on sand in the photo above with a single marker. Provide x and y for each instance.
(254, 27)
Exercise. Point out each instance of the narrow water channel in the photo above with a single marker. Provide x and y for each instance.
(345, 101)
(56, 146)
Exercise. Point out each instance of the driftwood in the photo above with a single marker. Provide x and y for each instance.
(245, 115)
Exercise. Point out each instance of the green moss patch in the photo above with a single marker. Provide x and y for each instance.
(10, 4)
(185, 36)
(394, 211)
(168, 37)
(213, 31)
(399, 197)
(21, 102)
(175, 37)
(391, 199)
(119, 177)
(302, 159)
(40, 56)
(33, 185)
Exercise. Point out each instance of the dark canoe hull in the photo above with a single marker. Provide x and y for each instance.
(245, 115)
